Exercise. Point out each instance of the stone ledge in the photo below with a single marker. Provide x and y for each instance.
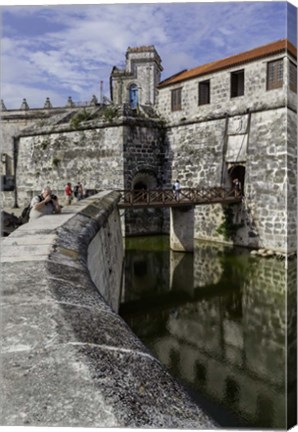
(67, 358)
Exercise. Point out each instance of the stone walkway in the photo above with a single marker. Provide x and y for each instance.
(68, 359)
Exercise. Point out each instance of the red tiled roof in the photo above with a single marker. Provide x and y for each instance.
(245, 57)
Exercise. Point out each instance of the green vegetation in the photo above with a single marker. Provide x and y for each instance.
(110, 113)
(228, 228)
(80, 117)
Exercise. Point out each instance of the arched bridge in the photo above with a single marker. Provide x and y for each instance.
(171, 198)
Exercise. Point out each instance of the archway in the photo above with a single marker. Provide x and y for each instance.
(144, 180)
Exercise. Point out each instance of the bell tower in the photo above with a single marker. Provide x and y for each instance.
(137, 83)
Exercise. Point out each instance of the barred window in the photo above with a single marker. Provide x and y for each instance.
(237, 83)
(204, 92)
(293, 77)
(176, 99)
(274, 74)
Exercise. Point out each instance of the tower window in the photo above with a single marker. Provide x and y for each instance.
(274, 74)
(176, 99)
(133, 96)
(237, 83)
(204, 92)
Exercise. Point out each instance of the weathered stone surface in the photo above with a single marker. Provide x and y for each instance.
(68, 359)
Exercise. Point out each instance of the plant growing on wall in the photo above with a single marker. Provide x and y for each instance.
(228, 228)
(110, 113)
(79, 117)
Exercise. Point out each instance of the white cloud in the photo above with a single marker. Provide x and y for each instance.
(79, 44)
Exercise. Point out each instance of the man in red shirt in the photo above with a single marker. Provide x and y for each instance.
(68, 193)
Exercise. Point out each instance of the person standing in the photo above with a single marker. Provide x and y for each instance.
(78, 191)
(237, 187)
(177, 188)
(68, 193)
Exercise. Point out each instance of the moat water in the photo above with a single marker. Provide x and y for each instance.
(216, 319)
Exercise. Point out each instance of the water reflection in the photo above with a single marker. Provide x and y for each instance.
(217, 320)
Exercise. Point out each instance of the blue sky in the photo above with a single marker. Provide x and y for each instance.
(66, 50)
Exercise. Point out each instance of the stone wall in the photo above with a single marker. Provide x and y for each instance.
(256, 96)
(145, 152)
(201, 142)
(67, 359)
(92, 156)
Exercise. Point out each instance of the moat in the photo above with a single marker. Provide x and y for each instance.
(216, 319)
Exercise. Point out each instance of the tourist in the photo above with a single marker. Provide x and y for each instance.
(78, 191)
(68, 193)
(177, 188)
(237, 187)
(44, 204)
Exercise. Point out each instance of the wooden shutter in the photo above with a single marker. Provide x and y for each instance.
(274, 74)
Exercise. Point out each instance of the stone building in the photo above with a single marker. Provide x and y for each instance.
(234, 117)
(237, 117)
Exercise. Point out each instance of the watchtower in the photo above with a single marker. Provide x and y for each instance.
(137, 83)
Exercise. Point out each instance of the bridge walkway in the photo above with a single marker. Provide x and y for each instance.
(171, 198)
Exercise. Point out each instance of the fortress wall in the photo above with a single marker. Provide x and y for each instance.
(68, 360)
(13, 121)
(144, 160)
(94, 157)
(265, 207)
(291, 163)
(197, 159)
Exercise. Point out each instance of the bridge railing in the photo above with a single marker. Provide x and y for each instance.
(168, 197)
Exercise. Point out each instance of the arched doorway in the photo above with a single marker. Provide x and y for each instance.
(133, 96)
(140, 185)
(237, 172)
(144, 179)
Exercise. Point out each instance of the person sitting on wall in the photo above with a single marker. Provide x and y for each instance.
(44, 204)
(68, 193)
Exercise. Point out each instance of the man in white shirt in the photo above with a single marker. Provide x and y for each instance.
(177, 189)
(44, 204)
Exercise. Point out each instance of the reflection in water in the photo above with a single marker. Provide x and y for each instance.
(217, 320)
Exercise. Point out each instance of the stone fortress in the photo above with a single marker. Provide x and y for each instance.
(232, 118)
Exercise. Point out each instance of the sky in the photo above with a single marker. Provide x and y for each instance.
(58, 51)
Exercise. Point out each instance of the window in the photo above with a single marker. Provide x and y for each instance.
(133, 96)
(204, 92)
(237, 83)
(176, 99)
(293, 77)
(274, 74)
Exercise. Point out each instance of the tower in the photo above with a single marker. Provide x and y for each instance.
(137, 83)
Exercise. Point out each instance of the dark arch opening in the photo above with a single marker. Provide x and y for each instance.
(140, 185)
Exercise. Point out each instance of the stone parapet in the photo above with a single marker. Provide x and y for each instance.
(67, 358)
